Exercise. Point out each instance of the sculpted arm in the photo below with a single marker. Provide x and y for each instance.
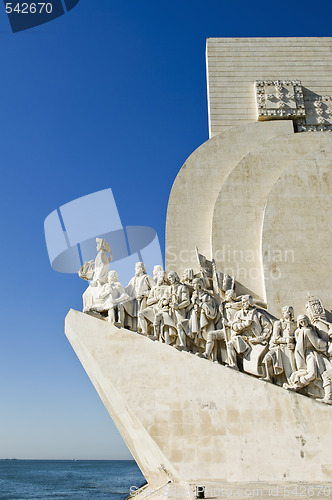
(276, 333)
(266, 328)
(123, 296)
(238, 324)
(130, 288)
(105, 292)
(184, 299)
(152, 299)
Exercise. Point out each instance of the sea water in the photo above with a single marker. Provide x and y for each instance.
(68, 479)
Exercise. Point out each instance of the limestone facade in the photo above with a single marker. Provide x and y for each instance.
(234, 64)
(187, 420)
(269, 113)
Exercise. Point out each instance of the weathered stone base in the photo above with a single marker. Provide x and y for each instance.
(239, 491)
(188, 420)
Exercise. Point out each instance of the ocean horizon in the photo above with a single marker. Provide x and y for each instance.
(70, 479)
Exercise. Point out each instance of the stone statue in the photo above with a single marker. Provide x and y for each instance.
(203, 313)
(164, 327)
(279, 361)
(138, 289)
(179, 301)
(298, 356)
(101, 263)
(187, 278)
(114, 297)
(157, 269)
(312, 364)
(147, 315)
(96, 271)
(227, 310)
(250, 328)
(327, 387)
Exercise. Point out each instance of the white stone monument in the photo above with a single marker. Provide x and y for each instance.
(259, 197)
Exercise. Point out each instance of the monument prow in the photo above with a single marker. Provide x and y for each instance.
(177, 359)
(187, 420)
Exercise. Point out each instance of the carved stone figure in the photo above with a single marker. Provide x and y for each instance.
(186, 315)
(138, 289)
(164, 327)
(96, 271)
(315, 310)
(114, 297)
(251, 331)
(318, 318)
(187, 279)
(312, 364)
(179, 301)
(280, 361)
(227, 310)
(327, 387)
(203, 313)
(156, 270)
(101, 263)
(147, 315)
(188, 276)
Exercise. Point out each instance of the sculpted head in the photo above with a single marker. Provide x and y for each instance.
(139, 268)
(156, 270)
(161, 278)
(287, 312)
(112, 277)
(173, 277)
(247, 302)
(197, 284)
(102, 245)
(230, 295)
(188, 274)
(302, 320)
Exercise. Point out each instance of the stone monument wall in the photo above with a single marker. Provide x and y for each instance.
(186, 419)
(234, 64)
(270, 107)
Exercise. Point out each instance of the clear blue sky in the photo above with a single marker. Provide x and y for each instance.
(113, 94)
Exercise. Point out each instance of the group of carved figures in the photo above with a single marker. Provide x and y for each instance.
(202, 317)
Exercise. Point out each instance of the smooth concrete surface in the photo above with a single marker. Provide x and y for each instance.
(188, 420)
(233, 65)
(297, 227)
(197, 185)
(239, 211)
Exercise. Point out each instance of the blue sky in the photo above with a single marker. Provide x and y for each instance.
(113, 94)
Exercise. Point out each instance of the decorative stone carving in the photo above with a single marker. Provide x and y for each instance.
(318, 114)
(199, 316)
(251, 331)
(179, 301)
(147, 315)
(279, 99)
(138, 289)
(315, 310)
(113, 297)
(286, 99)
(227, 310)
(164, 327)
(313, 367)
(187, 278)
(279, 362)
(203, 313)
(156, 270)
(96, 271)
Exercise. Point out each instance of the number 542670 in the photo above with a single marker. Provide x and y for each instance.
(25, 8)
